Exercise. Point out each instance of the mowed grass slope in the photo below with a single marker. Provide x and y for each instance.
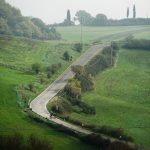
(23, 53)
(13, 119)
(91, 34)
(122, 96)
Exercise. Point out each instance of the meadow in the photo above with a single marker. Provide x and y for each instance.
(22, 53)
(121, 96)
(104, 34)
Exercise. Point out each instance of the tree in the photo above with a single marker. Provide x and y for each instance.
(134, 11)
(128, 12)
(37, 67)
(84, 17)
(4, 28)
(68, 15)
(66, 56)
(100, 19)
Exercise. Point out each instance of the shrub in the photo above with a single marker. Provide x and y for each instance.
(96, 140)
(60, 105)
(17, 142)
(86, 81)
(73, 91)
(78, 47)
(36, 67)
(137, 44)
(117, 145)
(66, 56)
(31, 87)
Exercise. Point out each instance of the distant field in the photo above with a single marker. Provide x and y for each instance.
(122, 96)
(23, 52)
(90, 34)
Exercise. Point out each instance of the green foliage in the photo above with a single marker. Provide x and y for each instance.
(100, 20)
(11, 21)
(137, 44)
(31, 87)
(96, 140)
(128, 12)
(73, 91)
(84, 17)
(123, 92)
(4, 28)
(85, 79)
(37, 67)
(78, 47)
(66, 56)
(104, 60)
(87, 19)
(121, 146)
(59, 105)
(68, 15)
(17, 142)
(134, 11)
(52, 69)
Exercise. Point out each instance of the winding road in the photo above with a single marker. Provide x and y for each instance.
(38, 105)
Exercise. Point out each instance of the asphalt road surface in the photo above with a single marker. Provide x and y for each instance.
(38, 105)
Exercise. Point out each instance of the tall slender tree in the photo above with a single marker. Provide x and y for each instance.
(68, 15)
(128, 12)
(134, 11)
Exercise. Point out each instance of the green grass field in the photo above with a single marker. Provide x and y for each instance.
(22, 53)
(90, 34)
(13, 119)
(121, 96)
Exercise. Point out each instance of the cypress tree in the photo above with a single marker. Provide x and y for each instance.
(128, 12)
(68, 15)
(134, 11)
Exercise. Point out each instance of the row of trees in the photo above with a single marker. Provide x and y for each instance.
(87, 19)
(13, 23)
(134, 12)
(18, 142)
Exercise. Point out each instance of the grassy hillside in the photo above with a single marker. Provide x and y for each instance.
(121, 97)
(22, 53)
(91, 34)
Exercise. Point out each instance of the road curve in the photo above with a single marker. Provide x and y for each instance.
(38, 105)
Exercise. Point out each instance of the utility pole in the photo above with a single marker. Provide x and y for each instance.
(111, 56)
(81, 38)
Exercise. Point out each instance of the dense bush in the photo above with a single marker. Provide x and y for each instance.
(77, 47)
(73, 91)
(137, 44)
(96, 140)
(117, 145)
(37, 67)
(60, 105)
(114, 132)
(66, 56)
(98, 63)
(52, 69)
(86, 81)
(104, 60)
(12, 22)
(17, 142)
